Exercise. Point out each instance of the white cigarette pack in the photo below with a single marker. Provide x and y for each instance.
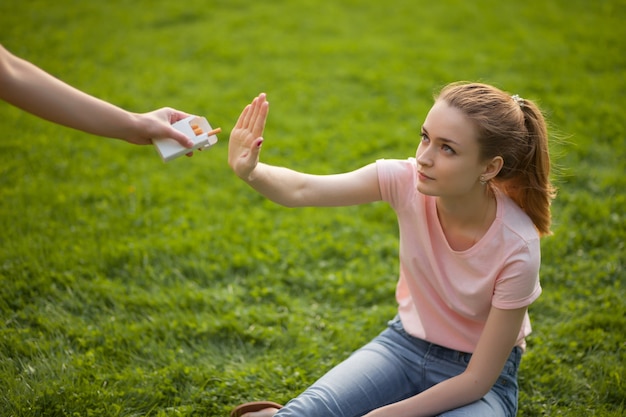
(170, 149)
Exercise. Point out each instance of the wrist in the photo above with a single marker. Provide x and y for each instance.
(251, 177)
(131, 127)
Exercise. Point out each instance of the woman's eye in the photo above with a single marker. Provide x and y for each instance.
(424, 137)
(447, 149)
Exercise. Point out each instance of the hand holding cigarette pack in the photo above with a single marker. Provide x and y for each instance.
(197, 129)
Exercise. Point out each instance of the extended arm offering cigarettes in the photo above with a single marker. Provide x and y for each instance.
(197, 129)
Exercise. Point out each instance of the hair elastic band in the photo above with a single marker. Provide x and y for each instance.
(520, 101)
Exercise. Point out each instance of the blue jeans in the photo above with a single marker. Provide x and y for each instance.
(395, 366)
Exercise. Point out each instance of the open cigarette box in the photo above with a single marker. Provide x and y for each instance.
(197, 129)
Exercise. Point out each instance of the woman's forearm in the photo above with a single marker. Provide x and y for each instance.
(447, 395)
(296, 189)
(281, 185)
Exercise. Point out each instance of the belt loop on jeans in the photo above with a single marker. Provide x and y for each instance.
(463, 356)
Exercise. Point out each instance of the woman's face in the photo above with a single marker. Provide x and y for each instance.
(448, 160)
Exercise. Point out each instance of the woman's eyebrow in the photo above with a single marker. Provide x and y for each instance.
(445, 140)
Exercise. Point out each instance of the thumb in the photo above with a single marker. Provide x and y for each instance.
(180, 137)
(256, 148)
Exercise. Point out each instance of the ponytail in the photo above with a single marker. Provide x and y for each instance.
(529, 184)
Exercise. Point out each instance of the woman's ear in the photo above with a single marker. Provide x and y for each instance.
(492, 168)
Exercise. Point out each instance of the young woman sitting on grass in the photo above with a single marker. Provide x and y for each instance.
(471, 207)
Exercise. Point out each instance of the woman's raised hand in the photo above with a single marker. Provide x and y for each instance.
(246, 137)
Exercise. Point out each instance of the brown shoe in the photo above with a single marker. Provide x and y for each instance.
(253, 406)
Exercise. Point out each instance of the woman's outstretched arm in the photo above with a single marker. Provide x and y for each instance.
(286, 186)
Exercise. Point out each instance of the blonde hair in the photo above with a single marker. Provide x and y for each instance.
(514, 129)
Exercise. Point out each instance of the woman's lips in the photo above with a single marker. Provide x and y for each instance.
(423, 177)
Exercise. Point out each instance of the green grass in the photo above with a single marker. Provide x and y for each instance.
(131, 287)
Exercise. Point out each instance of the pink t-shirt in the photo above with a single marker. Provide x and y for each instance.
(443, 295)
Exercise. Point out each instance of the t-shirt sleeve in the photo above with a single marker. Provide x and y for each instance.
(518, 284)
(393, 177)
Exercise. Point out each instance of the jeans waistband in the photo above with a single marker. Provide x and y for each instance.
(439, 351)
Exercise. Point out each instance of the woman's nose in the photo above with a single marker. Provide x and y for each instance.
(423, 157)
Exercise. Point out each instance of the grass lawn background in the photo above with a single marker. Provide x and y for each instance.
(129, 287)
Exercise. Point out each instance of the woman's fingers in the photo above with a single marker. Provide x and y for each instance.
(261, 117)
(242, 117)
